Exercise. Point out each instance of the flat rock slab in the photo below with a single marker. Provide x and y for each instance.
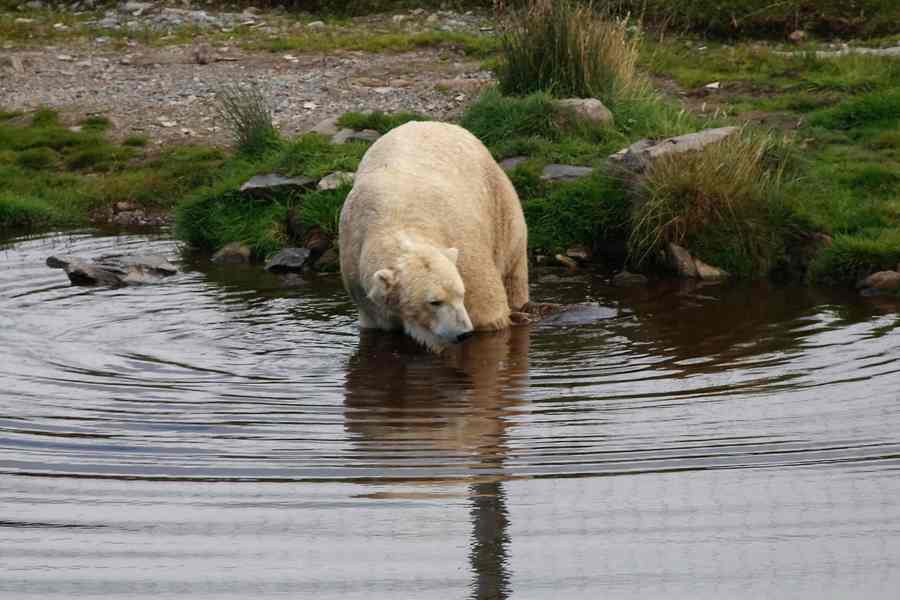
(114, 270)
(565, 172)
(273, 182)
(508, 164)
(637, 156)
(882, 281)
(351, 135)
(288, 260)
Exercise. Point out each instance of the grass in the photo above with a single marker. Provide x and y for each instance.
(377, 120)
(53, 176)
(564, 48)
(248, 116)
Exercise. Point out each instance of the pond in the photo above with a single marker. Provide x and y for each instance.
(223, 435)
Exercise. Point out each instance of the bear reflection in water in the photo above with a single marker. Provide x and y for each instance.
(459, 402)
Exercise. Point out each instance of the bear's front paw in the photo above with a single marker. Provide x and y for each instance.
(519, 318)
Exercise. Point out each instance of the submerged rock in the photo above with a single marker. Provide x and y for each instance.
(564, 172)
(273, 182)
(589, 109)
(643, 152)
(114, 270)
(628, 279)
(288, 260)
(234, 253)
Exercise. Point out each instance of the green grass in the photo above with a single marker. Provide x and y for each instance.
(377, 120)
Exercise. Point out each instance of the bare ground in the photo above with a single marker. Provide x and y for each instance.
(164, 94)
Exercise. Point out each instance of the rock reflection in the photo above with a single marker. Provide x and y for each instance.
(456, 407)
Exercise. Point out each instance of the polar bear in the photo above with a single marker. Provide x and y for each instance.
(432, 237)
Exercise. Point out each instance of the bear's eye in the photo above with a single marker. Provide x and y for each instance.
(436, 302)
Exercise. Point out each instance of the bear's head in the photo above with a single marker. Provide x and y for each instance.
(423, 289)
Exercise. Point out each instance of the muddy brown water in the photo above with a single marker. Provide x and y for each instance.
(223, 436)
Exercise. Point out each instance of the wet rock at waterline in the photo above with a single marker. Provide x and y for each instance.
(351, 135)
(114, 270)
(234, 253)
(261, 185)
(289, 260)
(589, 109)
(643, 152)
(628, 279)
(335, 180)
(681, 261)
(570, 315)
(564, 172)
(880, 283)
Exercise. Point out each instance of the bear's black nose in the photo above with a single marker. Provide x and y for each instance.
(463, 336)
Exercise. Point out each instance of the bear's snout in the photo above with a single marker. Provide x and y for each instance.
(464, 336)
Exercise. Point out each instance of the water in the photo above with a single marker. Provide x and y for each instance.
(223, 436)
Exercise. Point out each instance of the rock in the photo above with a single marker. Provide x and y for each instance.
(564, 172)
(135, 8)
(797, 36)
(585, 313)
(329, 262)
(589, 109)
(681, 261)
(713, 86)
(13, 62)
(640, 154)
(708, 272)
(317, 241)
(273, 182)
(202, 54)
(327, 127)
(128, 218)
(316, 25)
(882, 281)
(419, 11)
(567, 262)
(432, 19)
(234, 253)
(124, 206)
(335, 180)
(114, 270)
(509, 164)
(288, 260)
(351, 135)
(579, 253)
(627, 279)
(398, 18)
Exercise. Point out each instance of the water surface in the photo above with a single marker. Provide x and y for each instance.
(222, 435)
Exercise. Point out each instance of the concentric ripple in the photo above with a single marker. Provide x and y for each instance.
(224, 374)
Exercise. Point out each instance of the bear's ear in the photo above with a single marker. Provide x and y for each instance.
(383, 282)
(452, 254)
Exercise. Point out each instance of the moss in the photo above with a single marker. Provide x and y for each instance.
(852, 257)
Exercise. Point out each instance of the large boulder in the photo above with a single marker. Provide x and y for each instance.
(114, 270)
(643, 152)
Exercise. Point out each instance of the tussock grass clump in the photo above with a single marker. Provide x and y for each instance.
(378, 120)
(315, 156)
(38, 158)
(567, 49)
(724, 203)
(248, 116)
(23, 211)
